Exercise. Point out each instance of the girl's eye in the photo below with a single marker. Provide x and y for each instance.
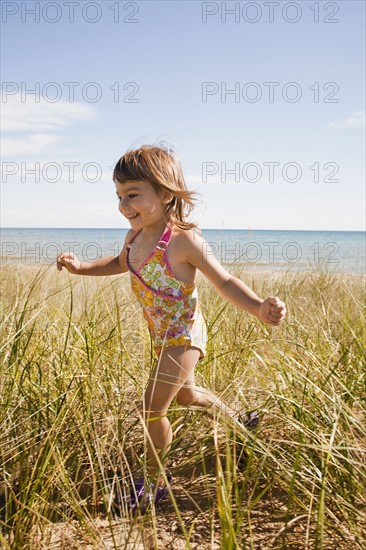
(129, 196)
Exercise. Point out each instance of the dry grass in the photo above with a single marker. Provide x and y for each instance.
(75, 359)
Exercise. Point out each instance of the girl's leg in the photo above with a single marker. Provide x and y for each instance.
(174, 368)
(192, 395)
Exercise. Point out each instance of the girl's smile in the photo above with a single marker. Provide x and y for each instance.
(131, 217)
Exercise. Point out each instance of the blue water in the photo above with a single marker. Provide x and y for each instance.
(336, 251)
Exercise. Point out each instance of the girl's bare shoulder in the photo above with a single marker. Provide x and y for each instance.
(186, 235)
(183, 240)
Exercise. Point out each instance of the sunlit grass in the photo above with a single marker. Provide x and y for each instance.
(75, 357)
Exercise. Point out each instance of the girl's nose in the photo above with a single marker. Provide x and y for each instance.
(123, 202)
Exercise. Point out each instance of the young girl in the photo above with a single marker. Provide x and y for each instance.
(162, 252)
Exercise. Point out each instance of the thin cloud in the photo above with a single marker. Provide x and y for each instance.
(355, 120)
(18, 115)
(31, 144)
(36, 126)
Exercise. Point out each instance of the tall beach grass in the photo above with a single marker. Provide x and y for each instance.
(75, 357)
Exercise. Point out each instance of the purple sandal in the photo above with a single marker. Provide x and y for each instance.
(142, 496)
(250, 420)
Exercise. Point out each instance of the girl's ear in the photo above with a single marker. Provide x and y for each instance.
(167, 198)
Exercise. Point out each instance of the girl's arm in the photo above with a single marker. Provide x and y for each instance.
(110, 265)
(199, 254)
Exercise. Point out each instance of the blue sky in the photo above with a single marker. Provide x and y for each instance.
(168, 54)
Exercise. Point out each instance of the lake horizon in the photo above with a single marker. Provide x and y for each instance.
(274, 250)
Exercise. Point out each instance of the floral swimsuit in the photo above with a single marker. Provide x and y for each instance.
(170, 306)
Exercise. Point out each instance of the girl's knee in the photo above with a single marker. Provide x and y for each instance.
(186, 397)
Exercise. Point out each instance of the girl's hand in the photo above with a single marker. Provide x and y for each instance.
(69, 261)
(272, 311)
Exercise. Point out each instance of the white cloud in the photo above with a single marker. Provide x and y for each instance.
(18, 115)
(30, 144)
(355, 120)
(36, 126)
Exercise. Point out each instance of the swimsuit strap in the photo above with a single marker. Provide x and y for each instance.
(132, 239)
(165, 238)
(163, 243)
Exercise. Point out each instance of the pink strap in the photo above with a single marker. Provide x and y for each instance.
(166, 236)
(133, 238)
(163, 241)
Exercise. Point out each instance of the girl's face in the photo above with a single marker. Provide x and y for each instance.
(140, 204)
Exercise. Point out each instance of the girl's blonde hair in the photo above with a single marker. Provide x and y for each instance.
(162, 169)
